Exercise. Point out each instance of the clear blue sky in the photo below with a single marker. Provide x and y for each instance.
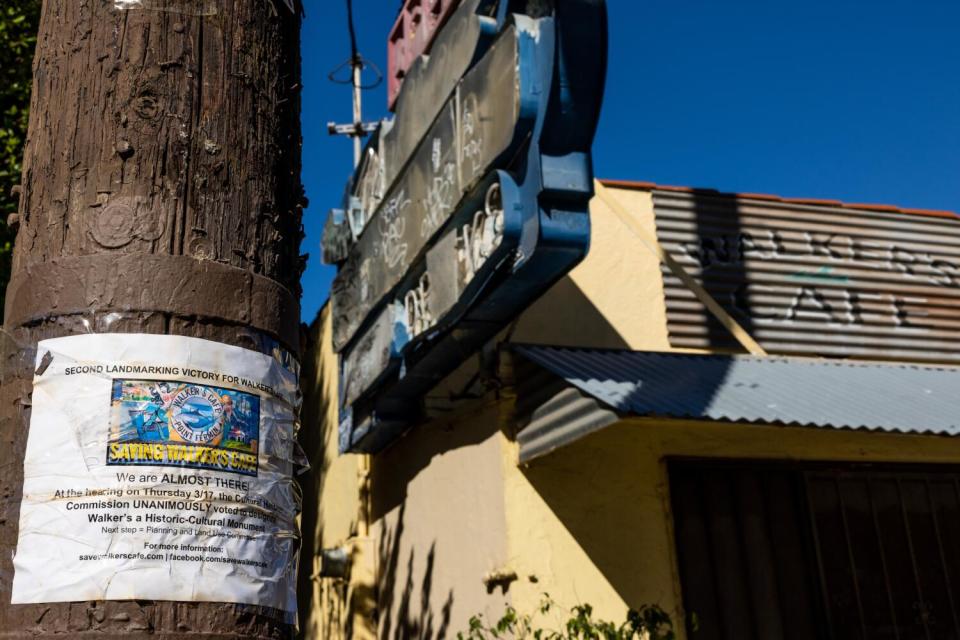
(853, 100)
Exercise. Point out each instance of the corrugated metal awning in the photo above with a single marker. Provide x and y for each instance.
(774, 390)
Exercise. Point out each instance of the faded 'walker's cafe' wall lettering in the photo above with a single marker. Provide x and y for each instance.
(814, 278)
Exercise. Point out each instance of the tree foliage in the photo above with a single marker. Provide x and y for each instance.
(650, 622)
(18, 35)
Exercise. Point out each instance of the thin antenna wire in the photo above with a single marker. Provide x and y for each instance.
(358, 129)
(354, 54)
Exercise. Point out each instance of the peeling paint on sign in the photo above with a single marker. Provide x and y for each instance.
(467, 206)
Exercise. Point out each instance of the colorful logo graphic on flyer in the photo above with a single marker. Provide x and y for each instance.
(181, 424)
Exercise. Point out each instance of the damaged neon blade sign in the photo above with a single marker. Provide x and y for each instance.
(467, 206)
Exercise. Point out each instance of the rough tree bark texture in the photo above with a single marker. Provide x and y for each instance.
(161, 194)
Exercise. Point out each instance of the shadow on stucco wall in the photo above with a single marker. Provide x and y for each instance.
(411, 620)
(437, 505)
(313, 416)
(392, 471)
(600, 492)
(566, 317)
(399, 605)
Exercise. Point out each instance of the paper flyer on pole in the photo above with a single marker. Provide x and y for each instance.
(158, 468)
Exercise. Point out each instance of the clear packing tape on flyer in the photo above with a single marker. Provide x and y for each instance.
(183, 7)
(159, 468)
(186, 7)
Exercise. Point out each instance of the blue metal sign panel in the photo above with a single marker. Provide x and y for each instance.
(467, 206)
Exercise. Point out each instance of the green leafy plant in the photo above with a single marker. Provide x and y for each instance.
(18, 36)
(649, 622)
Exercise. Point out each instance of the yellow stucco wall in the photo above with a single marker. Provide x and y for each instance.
(614, 298)
(332, 514)
(432, 528)
(592, 520)
(589, 523)
(440, 526)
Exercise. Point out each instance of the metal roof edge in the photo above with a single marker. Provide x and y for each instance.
(563, 419)
(640, 185)
(521, 347)
(785, 391)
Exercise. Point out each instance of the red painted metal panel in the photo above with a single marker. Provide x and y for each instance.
(411, 36)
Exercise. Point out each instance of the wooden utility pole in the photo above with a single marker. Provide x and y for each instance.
(161, 194)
